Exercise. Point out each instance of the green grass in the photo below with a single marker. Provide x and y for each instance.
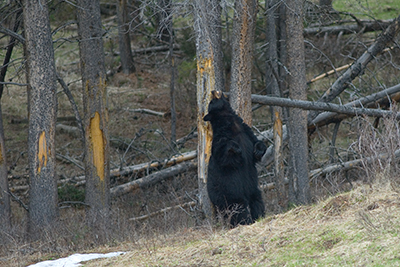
(369, 9)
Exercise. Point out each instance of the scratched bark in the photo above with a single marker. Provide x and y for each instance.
(206, 14)
(97, 169)
(41, 77)
(242, 57)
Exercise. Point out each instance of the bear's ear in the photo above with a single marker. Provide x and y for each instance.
(207, 117)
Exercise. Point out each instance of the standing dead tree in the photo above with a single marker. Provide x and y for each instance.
(41, 77)
(97, 169)
(207, 12)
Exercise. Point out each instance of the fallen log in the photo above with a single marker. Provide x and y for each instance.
(147, 111)
(152, 214)
(349, 164)
(152, 178)
(80, 180)
(361, 25)
(309, 105)
(381, 99)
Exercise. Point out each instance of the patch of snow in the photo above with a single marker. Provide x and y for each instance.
(74, 260)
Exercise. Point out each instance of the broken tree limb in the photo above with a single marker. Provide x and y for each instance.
(309, 105)
(147, 216)
(80, 180)
(326, 74)
(358, 67)
(152, 178)
(348, 164)
(365, 25)
(166, 162)
(78, 117)
(147, 111)
(381, 99)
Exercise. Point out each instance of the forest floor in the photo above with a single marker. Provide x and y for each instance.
(356, 228)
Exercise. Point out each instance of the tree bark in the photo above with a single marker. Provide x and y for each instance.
(244, 23)
(41, 77)
(299, 188)
(206, 13)
(124, 38)
(272, 80)
(97, 169)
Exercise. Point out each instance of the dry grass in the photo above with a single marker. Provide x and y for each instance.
(358, 228)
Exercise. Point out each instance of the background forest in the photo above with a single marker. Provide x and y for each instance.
(136, 92)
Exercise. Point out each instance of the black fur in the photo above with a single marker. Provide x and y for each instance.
(232, 182)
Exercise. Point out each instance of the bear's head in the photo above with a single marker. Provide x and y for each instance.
(218, 107)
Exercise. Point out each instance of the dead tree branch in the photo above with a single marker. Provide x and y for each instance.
(348, 164)
(309, 105)
(152, 178)
(358, 67)
(147, 111)
(181, 206)
(381, 99)
(365, 25)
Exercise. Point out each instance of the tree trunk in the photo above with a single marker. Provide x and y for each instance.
(242, 57)
(97, 169)
(5, 211)
(272, 80)
(41, 77)
(206, 13)
(299, 188)
(124, 38)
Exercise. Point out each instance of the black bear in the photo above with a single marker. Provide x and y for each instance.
(232, 182)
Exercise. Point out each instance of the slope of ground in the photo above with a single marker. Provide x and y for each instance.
(358, 228)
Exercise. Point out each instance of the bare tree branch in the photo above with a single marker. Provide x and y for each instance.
(152, 178)
(308, 105)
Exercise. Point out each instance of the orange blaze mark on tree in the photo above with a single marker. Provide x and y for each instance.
(43, 152)
(278, 124)
(97, 145)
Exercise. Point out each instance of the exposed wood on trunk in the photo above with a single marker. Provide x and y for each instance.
(42, 110)
(207, 51)
(152, 214)
(95, 110)
(242, 58)
(152, 179)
